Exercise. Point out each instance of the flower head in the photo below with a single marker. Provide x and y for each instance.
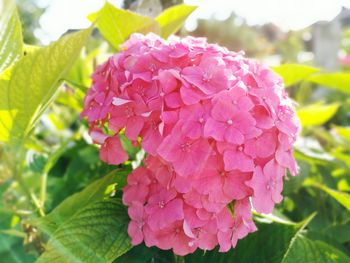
(217, 129)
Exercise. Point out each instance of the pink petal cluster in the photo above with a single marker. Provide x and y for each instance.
(345, 61)
(218, 129)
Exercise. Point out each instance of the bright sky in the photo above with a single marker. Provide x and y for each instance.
(62, 15)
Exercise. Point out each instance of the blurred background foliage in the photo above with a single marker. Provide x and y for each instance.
(61, 156)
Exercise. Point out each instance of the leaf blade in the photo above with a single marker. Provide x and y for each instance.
(294, 73)
(116, 25)
(274, 243)
(33, 84)
(97, 233)
(339, 81)
(317, 114)
(94, 192)
(11, 43)
(172, 18)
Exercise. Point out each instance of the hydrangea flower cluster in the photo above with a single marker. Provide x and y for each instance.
(217, 128)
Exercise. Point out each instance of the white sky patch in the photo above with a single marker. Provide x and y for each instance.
(287, 14)
(62, 15)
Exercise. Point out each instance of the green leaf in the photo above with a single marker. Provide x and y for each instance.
(294, 73)
(343, 132)
(97, 233)
(172, 18)
(116, 25)
(96, 191)
(342, 197)
(11, 43)
(33, 83)
(317, 114)
(306, 250)
(275, 243)
(339, 81)
(143, 254)
(12, 250)
(309, 149)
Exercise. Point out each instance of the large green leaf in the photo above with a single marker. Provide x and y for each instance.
(343, 132)
(339, 81)
(309, 149)
(97, 233)
(342, 197)
(96, 191)
(11, 43)
(172, 18)
(294, 73)
(275, 243)
(317, 114)
(33, 83)
(12, 250)
(143, 254)
(116, 25)
(306, 250)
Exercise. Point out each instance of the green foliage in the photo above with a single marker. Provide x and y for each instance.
(317, 114)
(342, 197)
(96, 233)
(10, 34)
(172, 18)
(33, 83)
(97, 191)
(294, 73)
(143, 254)
(116, 25)
(274, 243)
(62, 204)
(339, 81)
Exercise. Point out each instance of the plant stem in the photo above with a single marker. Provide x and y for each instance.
(179, 259)
(30, 195)
(17, 168)
(43, 186)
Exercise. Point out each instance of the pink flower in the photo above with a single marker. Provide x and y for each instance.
(112, 151)
(138, 186)
(345, 60)
(135, 226)
(99, 98)
(152, 133)
(263, 146)
(127, 113)
(236, 226)
(284, 153)
(236, 157)
(193, 119)
(173, 236)
(140, 89)
(287, 121)
(218, 132)
(209, 77)
(185, 154)
(267, 186)
(243, 221)
(164, 208)
(203, 237)
(219, 184)
(229, 121)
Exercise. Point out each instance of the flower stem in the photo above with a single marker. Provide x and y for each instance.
(179, 259)
(17, 169)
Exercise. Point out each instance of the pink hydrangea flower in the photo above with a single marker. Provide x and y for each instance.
(267, 183)
(217, 129)
(136, 213)
(163, 208)
(112, 151)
